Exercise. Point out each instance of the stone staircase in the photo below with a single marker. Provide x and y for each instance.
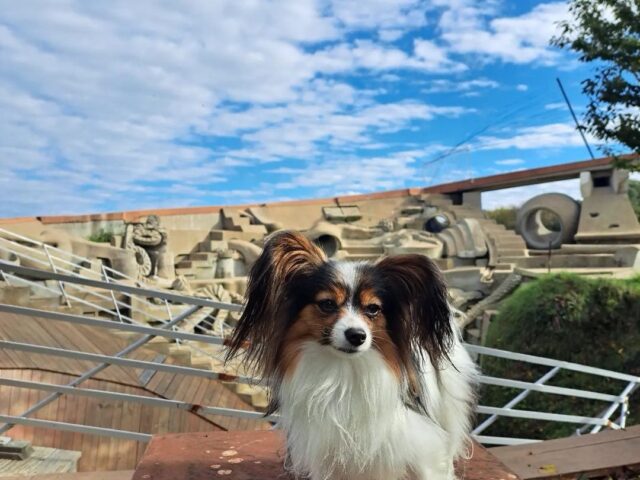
(505, 246)
(202, 264)
(360, 251)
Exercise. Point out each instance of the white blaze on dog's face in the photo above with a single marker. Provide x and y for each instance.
(352, 332)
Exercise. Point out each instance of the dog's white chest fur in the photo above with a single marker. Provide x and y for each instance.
(345, 419)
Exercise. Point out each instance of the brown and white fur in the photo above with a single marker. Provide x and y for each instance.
(363, 360)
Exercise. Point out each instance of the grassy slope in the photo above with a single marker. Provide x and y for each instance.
(590, 321)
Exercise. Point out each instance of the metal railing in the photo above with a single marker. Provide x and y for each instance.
(61, 261)
(595, 424)
(72, 273)
(170, 328)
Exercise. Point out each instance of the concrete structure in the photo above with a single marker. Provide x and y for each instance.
(209, 250)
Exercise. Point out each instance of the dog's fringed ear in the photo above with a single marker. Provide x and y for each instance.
(287, 256)
(419, 300)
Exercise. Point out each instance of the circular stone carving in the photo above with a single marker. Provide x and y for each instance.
(143, 260)
(147, 237)
(328, 244)
(437, 223)
(530, 220)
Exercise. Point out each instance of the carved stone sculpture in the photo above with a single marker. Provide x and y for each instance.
(148, 240)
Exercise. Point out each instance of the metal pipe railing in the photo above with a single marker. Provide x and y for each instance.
(123, 362)
(123, 327)
(489, 440)
(576, 367)
(78, 300)
(64, 253)
(553, 417)
(99, 368)
(84, 290)
(76, 265)
(144, 400)
(515, 400)
(75, 280)
(614, 406)
(173, 297)
(570, 392)
(73, 427)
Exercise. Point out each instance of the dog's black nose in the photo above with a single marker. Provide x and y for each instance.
(356, 336)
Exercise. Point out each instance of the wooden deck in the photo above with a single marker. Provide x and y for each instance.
(103, 453)
(121, 475)
(42, 460)
(602, 454)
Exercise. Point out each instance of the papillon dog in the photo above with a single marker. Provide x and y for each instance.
(363, 361)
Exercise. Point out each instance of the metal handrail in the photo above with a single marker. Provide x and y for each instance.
(118, 287)
(48, 248)
(570, 392)
(74, 427)
(102, 366)
(76, 286)
(141, 399)
(65, 253)
(576, 367)
(617, 401)
(124, 362)
(123, 327)
(68, 296)
(169, 330)
(515, 400)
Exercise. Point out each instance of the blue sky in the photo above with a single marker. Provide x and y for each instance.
(124, 105)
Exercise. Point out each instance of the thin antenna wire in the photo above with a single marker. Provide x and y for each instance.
(500, 120)
(575, 119)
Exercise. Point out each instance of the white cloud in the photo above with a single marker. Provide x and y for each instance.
(366, 54)
(386, 14)
(518, 195)
(521, 39)
(303, 127)
(556, 106)
(390, 35)
(444, 85)
(349, 175)
(435, 58)
(540, 136)
(521, 87)
(116, 96)
(129, 104)
(510, 161)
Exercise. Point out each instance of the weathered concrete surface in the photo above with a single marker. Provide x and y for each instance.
(252, 455)
(607, 217)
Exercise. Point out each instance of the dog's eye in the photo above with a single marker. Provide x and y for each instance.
(328, 306)
(372, 310)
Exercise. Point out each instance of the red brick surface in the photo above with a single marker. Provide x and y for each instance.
(255, 455)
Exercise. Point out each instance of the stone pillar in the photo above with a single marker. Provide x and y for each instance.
(606, 214)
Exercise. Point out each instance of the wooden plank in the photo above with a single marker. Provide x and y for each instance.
(121, 475)
(80, 416)
(89, 442)
(104, 443)
(587, 454)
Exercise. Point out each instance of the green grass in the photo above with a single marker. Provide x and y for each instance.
(594, 322)
(504, 216)
(101, 237)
